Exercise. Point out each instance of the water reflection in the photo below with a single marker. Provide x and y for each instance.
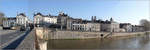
(128, 43)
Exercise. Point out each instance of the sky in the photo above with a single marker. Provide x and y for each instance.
(122, 11)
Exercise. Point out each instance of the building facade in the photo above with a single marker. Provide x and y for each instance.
(86, 27)
(136, 28)
(48, 20)
(9, 22)
(62, 20)
(40, 20)
(93, 26)
(79, 27)
(110, 26)
(21, 19)
(126, 26)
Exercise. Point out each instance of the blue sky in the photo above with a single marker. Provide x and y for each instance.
(124, 11)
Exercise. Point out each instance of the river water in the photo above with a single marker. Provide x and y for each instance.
(140, 42)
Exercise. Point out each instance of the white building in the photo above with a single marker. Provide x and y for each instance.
(110, 26)
(86, 27)
(40, 20)
(21, 19)
(49, 19)
(79, 27)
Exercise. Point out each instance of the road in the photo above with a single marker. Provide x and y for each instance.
(8, 36)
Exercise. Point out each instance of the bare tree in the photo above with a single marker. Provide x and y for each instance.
(146, 24)
(2, 14)
(2, 18)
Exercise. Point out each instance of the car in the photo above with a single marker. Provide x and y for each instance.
(13, 28)
(22, 28)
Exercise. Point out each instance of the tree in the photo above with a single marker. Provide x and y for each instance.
(2, 14)
(146, 24)
(2, 18)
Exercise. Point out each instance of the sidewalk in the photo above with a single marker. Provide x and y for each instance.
(28, 43)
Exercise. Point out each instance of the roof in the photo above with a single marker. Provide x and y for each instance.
(137, 26)
(125, 23)
(11, 18)
(44, 15)
(38, 14)
(63, 14)
(22, 14)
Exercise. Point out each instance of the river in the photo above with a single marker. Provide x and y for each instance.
(140, 42)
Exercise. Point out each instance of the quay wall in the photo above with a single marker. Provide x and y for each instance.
(49, 34)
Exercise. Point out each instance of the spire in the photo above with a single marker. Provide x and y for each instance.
(94, 18)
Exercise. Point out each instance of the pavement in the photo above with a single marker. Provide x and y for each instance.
(4, 32)
(8, 36)
(28, 43)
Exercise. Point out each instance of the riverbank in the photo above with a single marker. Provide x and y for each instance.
(59, 34)
(133, 43)
(46, 37)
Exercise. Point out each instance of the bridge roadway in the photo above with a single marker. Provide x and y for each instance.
(7, 36)
(13, 40)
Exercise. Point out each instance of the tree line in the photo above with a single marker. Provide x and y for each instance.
(146, 24)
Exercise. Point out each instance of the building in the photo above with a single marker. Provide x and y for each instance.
(10, 22)
(93, 19)
(62, 20)
(86, 27)
(69, 23)
(22, 19)
(40, 20)
(126, 26)
(93, 27)
(110, 26)
(136, 28)
(79, 27)
(48, 20)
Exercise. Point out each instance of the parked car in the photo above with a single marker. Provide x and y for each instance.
(13, 28)
(22, 28)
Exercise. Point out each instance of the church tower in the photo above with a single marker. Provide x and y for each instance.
(111, 19)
